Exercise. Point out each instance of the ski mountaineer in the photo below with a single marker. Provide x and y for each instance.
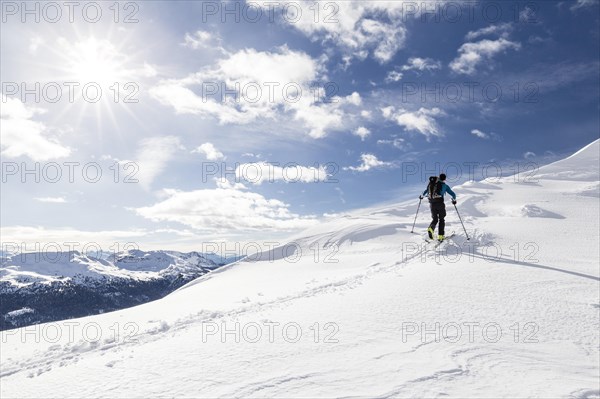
(435, 191)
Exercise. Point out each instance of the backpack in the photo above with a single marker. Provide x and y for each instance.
(434, 189)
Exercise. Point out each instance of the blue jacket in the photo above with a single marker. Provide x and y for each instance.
(445, 189)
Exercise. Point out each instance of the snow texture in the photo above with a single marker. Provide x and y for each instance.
(514, 312)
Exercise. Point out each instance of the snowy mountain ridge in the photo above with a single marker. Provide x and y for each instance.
(35, 286)
(26, 268)
(360, 307)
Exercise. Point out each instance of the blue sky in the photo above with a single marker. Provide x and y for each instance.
(360, 123)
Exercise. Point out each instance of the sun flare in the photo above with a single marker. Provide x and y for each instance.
(98, 61)
(106, 75)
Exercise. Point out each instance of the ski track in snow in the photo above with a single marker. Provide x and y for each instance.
(70, 353)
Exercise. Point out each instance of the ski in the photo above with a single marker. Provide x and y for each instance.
(441, 242)
(438, 243)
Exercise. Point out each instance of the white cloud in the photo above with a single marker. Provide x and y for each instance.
(283, 67)
(529, 155)
(259, 172)
(397, 143)
(204, 40)
(362, 132)
(485, 136)
(358, 28)
(527, 15)
(584, 3)
(480, 134)
(421, 121)
(320, 118)
(56, 200)
(368, 162)
(387, 111)
(502, 30)
(473, 54)
(223, 182)
(210, 152)
(393, 76)
(197, 39)
(279, 83)
(225, 208)
(152, 157)
(185, 101)
(22, 136)
(366, 114)
(353, 99)
(421, 64)
(388, 38)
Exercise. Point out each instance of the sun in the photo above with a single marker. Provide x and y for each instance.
(97, 61)
(106, 76)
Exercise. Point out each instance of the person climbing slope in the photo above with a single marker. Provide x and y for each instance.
(435, 191)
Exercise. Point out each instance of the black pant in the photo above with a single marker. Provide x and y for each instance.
(438, 212)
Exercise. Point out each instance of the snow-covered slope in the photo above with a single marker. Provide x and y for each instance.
(359, 306)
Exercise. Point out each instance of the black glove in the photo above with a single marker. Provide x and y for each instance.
(453, 202)
(420, 197)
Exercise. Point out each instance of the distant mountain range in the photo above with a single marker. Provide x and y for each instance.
(42, 287)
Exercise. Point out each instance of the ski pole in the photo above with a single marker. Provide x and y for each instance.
(461, 222)
(413, 228)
